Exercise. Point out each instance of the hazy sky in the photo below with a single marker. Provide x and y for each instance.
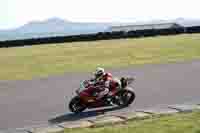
(14, 13)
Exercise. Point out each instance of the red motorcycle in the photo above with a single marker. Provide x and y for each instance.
(86, 97)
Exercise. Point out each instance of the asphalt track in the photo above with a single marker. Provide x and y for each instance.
(24, 103)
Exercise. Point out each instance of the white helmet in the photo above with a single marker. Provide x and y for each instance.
(99, 72)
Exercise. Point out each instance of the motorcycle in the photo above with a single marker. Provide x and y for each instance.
(86, 97)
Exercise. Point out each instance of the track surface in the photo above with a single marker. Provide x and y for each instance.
(33, 102)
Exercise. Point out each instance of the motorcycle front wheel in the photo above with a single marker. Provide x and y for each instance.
(76, 106)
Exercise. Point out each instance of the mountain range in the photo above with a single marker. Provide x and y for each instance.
(59, 27)
(52, 27)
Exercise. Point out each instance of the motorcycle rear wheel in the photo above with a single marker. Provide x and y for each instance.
(122, 100)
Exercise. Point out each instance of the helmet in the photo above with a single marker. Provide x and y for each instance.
(99, 72)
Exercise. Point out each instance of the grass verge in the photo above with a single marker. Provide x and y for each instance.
(177, 123)
(45, 60)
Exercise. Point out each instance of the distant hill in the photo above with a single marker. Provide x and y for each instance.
(59, 27)
(52, 27)
(187, 22)
(181, 21)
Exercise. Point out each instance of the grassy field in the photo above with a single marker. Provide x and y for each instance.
(44, 60)
(178, 123)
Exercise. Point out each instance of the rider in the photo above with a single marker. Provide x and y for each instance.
(107, 81)
(100, 80)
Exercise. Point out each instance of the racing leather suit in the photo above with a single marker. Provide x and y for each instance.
(108, 84)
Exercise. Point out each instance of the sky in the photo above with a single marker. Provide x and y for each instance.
(14, 13)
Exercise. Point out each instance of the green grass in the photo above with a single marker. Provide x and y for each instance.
(178, 123)
(44, 60)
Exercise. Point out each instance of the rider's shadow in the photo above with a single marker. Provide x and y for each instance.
(82, 115)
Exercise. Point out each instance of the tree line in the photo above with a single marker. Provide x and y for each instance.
(100, 36)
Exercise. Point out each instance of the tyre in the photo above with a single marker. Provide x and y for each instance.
(76, 106)
(125, 98)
